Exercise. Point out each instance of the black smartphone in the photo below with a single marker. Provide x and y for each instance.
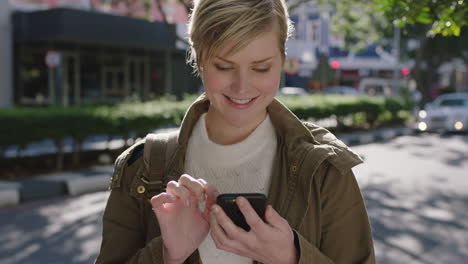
(227, 201)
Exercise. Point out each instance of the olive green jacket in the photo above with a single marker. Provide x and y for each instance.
(312, 187)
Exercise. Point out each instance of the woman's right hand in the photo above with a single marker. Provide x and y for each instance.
(183, 225)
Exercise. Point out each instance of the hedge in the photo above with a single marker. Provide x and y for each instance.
(24, 125)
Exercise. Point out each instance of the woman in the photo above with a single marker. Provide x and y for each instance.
(238, 138)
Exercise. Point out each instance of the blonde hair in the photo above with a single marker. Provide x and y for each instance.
(215, 23)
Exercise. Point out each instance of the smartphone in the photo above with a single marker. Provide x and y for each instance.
(227, 201)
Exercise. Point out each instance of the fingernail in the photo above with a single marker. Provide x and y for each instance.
(203, 181)
(269, 212)
(187, 203)
(172, 197)
(240, 201)
(215, 209)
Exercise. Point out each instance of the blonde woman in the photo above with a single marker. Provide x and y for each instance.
(237, 138)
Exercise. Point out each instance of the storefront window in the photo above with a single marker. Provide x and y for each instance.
(32, 78)
(90, 78)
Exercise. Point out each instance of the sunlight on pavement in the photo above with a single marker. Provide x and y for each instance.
(416, 192)
(63, 230)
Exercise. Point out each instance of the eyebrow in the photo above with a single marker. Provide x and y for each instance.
(254, 62)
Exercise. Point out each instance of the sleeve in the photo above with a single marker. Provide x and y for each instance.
(123, 235)
(346, 235)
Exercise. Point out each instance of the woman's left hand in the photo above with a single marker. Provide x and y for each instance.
(271, 242)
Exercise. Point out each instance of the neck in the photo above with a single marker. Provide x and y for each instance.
(224, 133)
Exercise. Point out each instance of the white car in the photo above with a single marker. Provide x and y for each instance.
(447, 113)
(294, 91)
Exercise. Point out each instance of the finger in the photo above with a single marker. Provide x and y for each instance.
(232, 230)
(195, 186)
(174, 188)
(274, 219)
(211, 195)
(209, 189)
(222, 241)
(251, 216)
(159, 200)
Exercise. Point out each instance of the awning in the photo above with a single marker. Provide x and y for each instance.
(88, 27)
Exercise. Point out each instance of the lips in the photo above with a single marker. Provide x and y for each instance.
(240, 102)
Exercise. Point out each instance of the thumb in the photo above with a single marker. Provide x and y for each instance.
(273, 218)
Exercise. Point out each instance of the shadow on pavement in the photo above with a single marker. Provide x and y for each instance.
(426, 227)
(423, 148)
(51, 234)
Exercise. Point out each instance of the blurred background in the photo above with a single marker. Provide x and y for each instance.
(81, 80)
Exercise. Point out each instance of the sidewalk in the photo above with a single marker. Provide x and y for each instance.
(72, 183)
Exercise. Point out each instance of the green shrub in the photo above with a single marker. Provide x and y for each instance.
(23, 125)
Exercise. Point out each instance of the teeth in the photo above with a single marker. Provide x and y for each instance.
(237, 101)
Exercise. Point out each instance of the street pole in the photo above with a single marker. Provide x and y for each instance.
(6, 62)
(396, 55)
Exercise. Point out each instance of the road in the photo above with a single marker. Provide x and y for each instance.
(415, 187)
(416, 191)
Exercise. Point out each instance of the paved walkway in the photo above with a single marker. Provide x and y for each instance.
(97, 178)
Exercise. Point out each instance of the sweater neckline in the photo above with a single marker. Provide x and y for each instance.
(232, 155)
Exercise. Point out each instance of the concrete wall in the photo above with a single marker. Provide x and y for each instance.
(6, 63)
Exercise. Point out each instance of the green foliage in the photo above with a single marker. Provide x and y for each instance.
(362, 22)
(26, 125)
(445, 17)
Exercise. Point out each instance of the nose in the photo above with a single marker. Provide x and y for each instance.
(241, 82)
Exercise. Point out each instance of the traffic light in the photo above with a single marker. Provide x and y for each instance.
(405, 71)
(335, 64)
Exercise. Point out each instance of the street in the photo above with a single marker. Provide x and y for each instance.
(416, 191)
(415, 187)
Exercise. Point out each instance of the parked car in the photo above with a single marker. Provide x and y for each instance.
(340, 90)
(292, 91)
(447, 113)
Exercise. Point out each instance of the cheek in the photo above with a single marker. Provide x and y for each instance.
(214, 82)
(269, 83)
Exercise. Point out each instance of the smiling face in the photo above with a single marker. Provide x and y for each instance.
(241, 86)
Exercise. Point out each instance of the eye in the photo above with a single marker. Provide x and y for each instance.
(262, 70)
(222, 68)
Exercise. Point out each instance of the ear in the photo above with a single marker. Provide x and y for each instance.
(200, 70)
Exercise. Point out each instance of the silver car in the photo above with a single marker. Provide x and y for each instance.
(447, 113)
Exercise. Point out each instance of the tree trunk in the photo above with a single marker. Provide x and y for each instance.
(77, 146)
(419, 69)
(60, 155)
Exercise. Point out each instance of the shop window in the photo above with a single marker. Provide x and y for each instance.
(90, 78)
(32, 79)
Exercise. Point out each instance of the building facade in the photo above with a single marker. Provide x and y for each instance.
(6, 73)
(67, 56)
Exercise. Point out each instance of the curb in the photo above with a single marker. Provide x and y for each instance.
(375, 136)
(54, 185)
(97, 178)
(9, 194)
(83, 185)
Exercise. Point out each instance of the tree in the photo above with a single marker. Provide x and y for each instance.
(444, 17)
(439, 28)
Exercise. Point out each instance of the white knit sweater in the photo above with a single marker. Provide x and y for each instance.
(238, 168)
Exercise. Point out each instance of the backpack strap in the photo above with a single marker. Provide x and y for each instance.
(158, 150)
